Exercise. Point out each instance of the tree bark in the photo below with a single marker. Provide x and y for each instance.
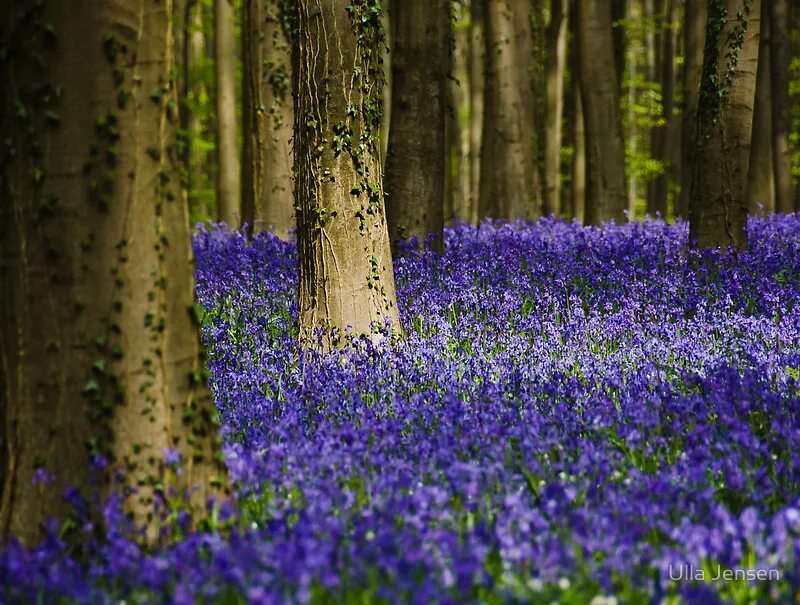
(267, 200)
(779, 63)
(695, 16)
(577, 134)
(346, 275)
(416, 158)
(556, 63)
(97, 342)
(606, 196)
(509, 181)
(718, 209)
(657, 195)
(760, 179)
(477, 48)
(229, 194)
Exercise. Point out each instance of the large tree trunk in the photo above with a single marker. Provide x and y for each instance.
(780, 58)
(346, 275)
(606, 195)
(96, 340)
(228, 178)
(760, 180)
(718, 209)
(267, 201)
(477, 48)
(415, 160)
(509, 181)
(556, 63)
(657, 194)
(694, 19)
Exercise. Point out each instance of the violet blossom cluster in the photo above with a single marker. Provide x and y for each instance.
(571, 415)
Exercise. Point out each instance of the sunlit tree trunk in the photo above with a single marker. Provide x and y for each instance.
(760, 179)
(345, 262)
(694, 26)
(718, 208)
(556, 63)
(228, 177)
(415, 160)
(509, 181)
(780, 59)
(99, 353)
(267, 200)
(606, 195)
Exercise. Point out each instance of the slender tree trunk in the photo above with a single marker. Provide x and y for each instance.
(228, 178)
(509, 183)
(694, 19)
(780, 59)
(96, 340)
(477, 48)
(718, 209)
(577, 132)
(657, 198)
(556, 63)
(760, 179)
(346, 275)
(415, 160)
(196, 53)
(267, 201)
(606, 195)
(460, 93)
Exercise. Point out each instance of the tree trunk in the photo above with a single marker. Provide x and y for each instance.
(196, 55)
(718, 209)
(346, 275)
(97, 340)
(760, 180)
(556, 63)
(657, 195)
(509, 181)
(228, 183)
(577, 134)
(477, 48)
(780, 59)
(415, 160)
(694, 19)
(619, 12)
(267, 201)
(606, 196)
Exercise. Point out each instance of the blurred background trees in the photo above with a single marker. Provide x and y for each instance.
(517, 109)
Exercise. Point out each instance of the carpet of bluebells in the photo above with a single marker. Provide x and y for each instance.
(573, 416)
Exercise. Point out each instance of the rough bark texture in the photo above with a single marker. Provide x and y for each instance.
(228, 178)
(718, 208)
(606, 196)
(556, 62)
(760, 180)
(97, 342)
(416, 157)
(660, 141)
(780, 59)
(346, 275)
(477, 48)
(694, 26)
(509, 181)
(267, 200)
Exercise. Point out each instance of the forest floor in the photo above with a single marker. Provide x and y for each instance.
(575, 415)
